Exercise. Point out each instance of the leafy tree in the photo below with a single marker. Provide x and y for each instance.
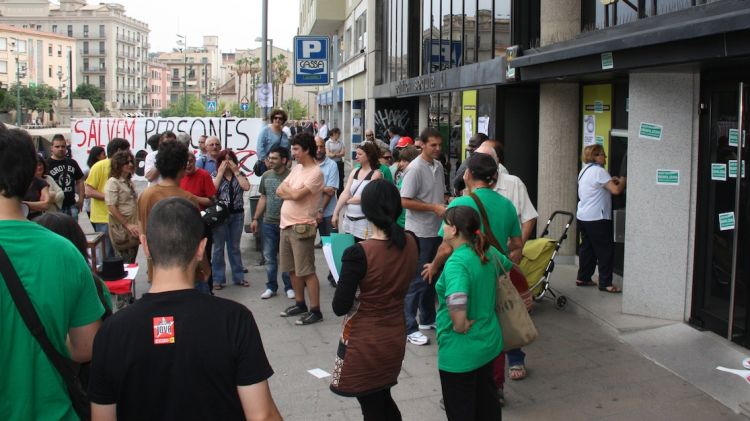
(92, 93)
(33, 98)
(195, 108)
(294, 109)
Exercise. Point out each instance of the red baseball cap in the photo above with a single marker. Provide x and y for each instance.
(404, 142)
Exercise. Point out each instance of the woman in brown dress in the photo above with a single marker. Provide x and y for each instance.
(122, 202)
(375, 276)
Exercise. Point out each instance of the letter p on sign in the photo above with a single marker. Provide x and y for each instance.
(310, 47)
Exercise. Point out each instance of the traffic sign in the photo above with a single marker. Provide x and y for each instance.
(211, 106)
(244, 104)
(311, 57)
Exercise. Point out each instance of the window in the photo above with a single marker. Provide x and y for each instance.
(3, 44)
(360, 33)
(85, 64)
(101, 31)
(348, 47)
(70, 30)
(101, 47)
(85, 31)
(21, 46)
(101, 64)
(49, 50)
(175, 73)
(85, 47)
(596, 14)
(86, 80)
(49, 71)
(3, 67)
(59, 50)
(101, 82)
(54, 29)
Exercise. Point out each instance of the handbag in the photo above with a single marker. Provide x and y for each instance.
(517, 327)
(516, 275)
(64, 366)
(216, 214)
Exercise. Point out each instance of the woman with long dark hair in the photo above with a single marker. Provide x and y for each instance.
(122, 202)
(230, 185)
(468, 333)
(372, 345)
(355, 222)
(37, 196)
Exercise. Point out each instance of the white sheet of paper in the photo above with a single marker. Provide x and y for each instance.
(468, 129)
(589, 130)
(319, 373)
(483, 125)
(328, 253)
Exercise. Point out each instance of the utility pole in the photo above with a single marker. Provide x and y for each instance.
(264, 50)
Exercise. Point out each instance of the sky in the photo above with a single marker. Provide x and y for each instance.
(236, 23)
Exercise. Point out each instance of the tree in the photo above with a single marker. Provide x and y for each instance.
(35, 98)
(281, 73)
(294, 108)
(92, 93)
(195, 108)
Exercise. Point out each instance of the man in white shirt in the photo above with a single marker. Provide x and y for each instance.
(323, 130)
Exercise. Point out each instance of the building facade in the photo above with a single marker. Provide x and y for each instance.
(200, 64)
(43, 58)
(111, 47)
(159, 88)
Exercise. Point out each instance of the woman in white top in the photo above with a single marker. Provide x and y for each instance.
(355, 222)
(595, 190)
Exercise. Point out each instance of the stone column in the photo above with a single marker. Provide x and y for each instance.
(559, 114)
(423, 113)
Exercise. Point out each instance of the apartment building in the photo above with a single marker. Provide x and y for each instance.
(159, 88)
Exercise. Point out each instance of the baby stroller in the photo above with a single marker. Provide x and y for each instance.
(538, 261)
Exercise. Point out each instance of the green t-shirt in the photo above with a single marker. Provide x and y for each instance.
(387, 176)
(60, 285)
(501, 212)
(464, 272)
(269, 182)
(401, 221)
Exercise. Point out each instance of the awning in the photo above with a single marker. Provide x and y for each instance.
(714, 30)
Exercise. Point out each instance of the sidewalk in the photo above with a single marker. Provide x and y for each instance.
(578, 369)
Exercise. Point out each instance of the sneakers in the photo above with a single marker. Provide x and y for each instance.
(294, 310)
(309, 319)
(430, 326)
(267, 294)
(417, 338)
(290, 294)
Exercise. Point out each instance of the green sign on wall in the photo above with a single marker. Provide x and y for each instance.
(650, 131)
(726, 221)
(668, 177)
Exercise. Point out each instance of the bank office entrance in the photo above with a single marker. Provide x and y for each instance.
(722, 265)
(604, 112)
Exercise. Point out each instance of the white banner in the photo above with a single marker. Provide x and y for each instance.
(238, 134)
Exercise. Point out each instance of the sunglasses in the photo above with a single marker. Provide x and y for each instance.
(278, 118)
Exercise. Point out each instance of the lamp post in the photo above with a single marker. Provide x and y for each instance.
(18, 93)
(182, 41)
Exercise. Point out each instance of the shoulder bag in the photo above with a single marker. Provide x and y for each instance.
(511, 305)
(63, 365)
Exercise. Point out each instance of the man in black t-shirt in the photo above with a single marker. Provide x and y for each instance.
(68, 175)
(177, 353)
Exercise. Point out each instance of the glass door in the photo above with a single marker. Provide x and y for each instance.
(720, 299)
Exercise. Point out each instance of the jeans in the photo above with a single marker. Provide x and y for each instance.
(421, 294)
(109, 251)
(228, 233)
(597, 247)
(271, 234)
(71, 211)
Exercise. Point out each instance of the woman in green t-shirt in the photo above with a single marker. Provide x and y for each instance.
(468, 333)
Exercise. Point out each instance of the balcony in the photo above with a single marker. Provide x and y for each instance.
(127, 39)
(93, 53)
(324, 17)
(92, 70)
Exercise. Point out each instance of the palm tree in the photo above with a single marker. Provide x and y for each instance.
(281, 74)
(255, 69)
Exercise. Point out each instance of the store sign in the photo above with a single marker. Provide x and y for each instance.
(734, 138)
(726, 221)
(668, 177)
(608, 62)
(419, 84)
(311, 57)
(733, 168)
(650, 131)
(352, 69)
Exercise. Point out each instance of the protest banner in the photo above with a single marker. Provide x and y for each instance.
(238, 134)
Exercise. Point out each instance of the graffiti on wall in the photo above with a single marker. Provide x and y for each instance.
(399, 113)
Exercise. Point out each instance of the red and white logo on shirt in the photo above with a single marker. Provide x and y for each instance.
(163, 330)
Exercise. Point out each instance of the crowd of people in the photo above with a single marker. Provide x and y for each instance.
(426, 257)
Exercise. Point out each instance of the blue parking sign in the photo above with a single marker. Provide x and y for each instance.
(311, 60)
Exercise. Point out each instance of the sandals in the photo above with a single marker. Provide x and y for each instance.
(517, 372)
(243, 284)
(611, 289)
(218, 287)
(585, 283)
